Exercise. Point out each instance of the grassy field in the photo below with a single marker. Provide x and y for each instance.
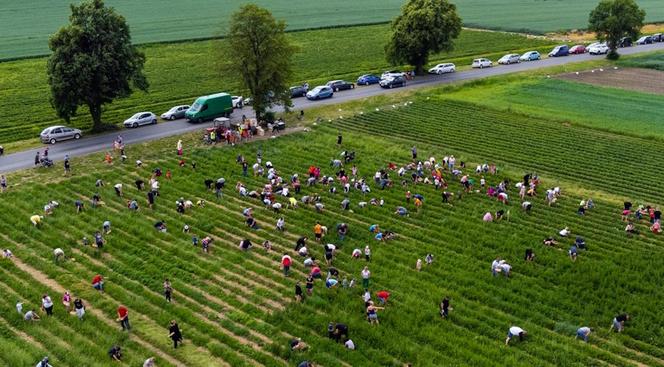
(178, 73)
(235, 308)
(26, 25)
(653, 60)
(611, 109)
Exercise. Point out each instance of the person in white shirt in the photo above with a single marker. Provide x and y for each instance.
(58, 254)
(565, 232)
(366, 296)
(6, 253)
(495, 266)
(349, 344)
(515, 331)
(118, 189)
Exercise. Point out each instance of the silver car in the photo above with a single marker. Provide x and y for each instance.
(175, 113)
(141, 118)
(55, 134)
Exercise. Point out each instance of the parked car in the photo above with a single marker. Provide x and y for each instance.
(299, 90)
(392, 74)
(443, 68)
(657, 37)
(530, 56)
(320, 92)
(141, 118)
(210, 107)
(368, 79)
(175, 113)
(562, 50)
(598, 49)
(625, 42)
(238, 101)
(338, 85)
(509, 59)
(645, 40)
(55, 134)
(482, 63)
(393, 82)
(577, 49)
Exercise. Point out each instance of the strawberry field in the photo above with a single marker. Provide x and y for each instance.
(236, 308)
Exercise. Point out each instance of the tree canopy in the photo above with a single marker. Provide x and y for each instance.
(93, 61)
(424, 27)
(613, 19)
(261, 55)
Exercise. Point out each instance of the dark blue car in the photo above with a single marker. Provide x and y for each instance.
(368, 79)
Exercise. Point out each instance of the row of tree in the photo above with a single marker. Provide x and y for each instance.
(93, 61)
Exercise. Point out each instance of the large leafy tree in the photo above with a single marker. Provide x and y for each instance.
(261, 55)
(613, 19)
(424, 27)
(93, 61)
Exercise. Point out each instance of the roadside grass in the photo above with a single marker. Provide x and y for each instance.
(180, 72)
(236, 307)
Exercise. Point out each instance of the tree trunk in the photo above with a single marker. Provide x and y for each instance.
(95, 112)
(419, 69)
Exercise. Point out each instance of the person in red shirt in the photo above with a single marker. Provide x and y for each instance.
(315, 272)
(98, 283)
(383, 296)
(123, 317)
(286, 263)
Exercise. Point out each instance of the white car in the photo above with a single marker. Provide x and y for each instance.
(443, 68)
(482, 63)
(509, 59)
(392, 74)
(598, 49)
(238, 101)
(141, 118)
(175, 113)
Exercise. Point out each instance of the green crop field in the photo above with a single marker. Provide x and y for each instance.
(26, 25)
(178, 73)
(236, 308)
(612, 109)
(653, 60)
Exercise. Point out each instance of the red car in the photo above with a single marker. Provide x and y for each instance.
(578, 49)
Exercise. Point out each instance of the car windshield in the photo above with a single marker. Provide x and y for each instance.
(317, 89)
(46, 131)
(135, 116)
(195, 107)
(173, 109)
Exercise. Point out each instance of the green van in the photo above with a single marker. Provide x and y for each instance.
(210, 107)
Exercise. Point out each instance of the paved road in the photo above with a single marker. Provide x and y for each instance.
(86, 145)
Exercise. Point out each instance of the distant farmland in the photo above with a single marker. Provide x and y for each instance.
(26, 25)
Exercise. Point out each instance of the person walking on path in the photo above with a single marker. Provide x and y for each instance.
(123, 317)
(175, 334)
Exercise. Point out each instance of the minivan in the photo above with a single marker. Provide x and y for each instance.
(562, 50)
(210, 107)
